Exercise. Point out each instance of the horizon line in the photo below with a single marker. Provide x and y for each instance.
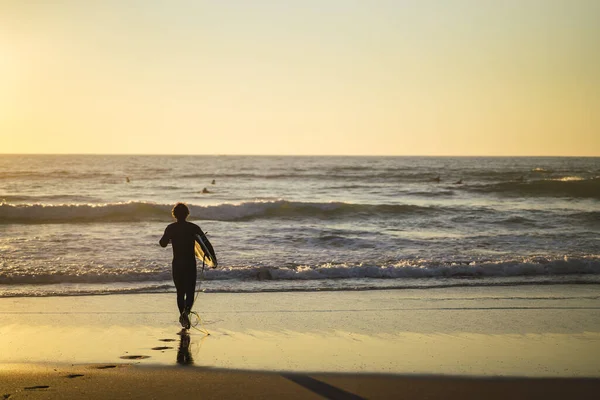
(297, 155)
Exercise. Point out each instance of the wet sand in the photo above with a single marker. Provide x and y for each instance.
(522, 342)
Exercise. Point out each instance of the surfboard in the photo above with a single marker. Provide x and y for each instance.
(204, 251)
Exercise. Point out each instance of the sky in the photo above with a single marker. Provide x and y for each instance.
(310, 77)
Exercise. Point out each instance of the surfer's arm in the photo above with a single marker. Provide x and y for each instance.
(164, 241)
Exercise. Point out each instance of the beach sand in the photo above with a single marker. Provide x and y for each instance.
(129, 382)
(518, 342)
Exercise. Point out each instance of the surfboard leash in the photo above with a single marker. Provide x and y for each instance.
(195, 313)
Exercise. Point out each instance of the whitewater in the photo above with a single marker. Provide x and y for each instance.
(90, 224)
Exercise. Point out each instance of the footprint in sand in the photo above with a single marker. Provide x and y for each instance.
(134, 357)
(106, 366)
(71, 376)
(161, 348)
(37, 387)
(167, 340)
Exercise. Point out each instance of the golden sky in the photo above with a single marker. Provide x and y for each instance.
(381, 77)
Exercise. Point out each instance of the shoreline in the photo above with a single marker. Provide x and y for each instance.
(511, 331)
(494, 282)
(463, 343)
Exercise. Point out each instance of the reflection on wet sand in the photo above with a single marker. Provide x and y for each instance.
(184, 357)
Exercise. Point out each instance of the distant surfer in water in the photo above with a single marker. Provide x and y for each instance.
(182, 235)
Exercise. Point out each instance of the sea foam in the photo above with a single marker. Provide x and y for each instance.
(407, 269)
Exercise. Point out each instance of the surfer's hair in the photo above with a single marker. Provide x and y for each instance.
(180, 211)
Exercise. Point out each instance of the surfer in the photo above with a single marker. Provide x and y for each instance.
(182, 235)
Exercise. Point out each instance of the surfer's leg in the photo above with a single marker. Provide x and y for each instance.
(179, 281)
(190, 288)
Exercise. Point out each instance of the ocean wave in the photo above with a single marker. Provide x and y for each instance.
(517, 220)
(569, 178)
(73, 213)
(418, 269)
(57, 174)
(148, 211)
(96, 274)
(588, 217)
(47, 198)
(436, 193)
(404, 269)
(561, 187)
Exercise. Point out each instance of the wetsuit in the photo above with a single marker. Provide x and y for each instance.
(182, 235)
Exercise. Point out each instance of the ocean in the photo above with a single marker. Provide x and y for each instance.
(90, 224)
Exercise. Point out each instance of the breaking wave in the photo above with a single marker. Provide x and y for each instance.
(148, 211)
(561, 187)
(405, 269)
(416, 269)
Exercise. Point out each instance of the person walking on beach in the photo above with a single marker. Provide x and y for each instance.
(182, 235)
